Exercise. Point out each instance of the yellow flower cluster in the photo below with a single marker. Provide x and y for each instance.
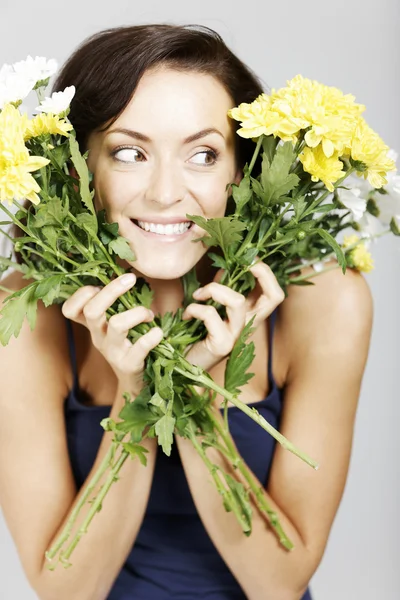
(46, 123)
(358, 257)
(16, 164)
(332, 126)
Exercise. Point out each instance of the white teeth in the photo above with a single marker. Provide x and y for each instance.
(170, 229)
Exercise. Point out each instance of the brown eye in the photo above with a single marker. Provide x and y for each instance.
(211, 154)
(127, 152)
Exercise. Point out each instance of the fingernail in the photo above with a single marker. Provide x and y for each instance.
(198, 292)
(127, 279)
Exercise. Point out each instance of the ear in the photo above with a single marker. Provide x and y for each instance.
(73, 172)
(238, 176)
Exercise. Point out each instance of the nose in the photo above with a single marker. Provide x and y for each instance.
(166, 185)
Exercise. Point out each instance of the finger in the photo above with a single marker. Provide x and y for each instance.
(270, 297)
(268, 282)
(95, 310)
(137, 353)
(219, 336)
(120, 324)
(234, 302)
(72, 308)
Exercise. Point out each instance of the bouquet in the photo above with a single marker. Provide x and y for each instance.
(294, 213)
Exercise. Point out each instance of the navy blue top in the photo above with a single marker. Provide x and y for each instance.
(173, 557)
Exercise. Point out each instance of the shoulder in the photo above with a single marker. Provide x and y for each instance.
(47, 342)
(336, 311)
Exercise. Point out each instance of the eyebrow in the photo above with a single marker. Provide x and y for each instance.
(190, 138)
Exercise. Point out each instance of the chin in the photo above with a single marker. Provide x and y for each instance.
(167, 270)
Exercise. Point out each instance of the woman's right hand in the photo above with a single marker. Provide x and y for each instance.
(88, 306)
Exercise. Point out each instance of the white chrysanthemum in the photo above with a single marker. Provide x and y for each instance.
(38, 68)
(13, 86)
(370, 226)
(353, 201)
(58, 102)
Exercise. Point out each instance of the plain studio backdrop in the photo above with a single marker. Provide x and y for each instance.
(353, 45)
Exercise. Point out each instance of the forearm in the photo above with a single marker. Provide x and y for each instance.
(100, 554)
(263, 568)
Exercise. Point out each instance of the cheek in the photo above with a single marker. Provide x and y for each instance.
(113, 190)
(213, 196)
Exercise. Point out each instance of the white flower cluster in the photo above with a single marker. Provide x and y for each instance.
(19, 79)
(355, 200)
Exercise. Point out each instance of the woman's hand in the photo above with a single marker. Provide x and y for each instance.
(222, 335)
(88, 306)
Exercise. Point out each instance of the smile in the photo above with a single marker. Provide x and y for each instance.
(167, 233)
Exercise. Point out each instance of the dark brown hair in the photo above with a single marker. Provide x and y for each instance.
(107, 66)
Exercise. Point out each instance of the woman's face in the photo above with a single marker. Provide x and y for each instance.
(166, 165)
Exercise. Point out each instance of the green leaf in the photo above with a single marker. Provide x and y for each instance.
(165, 430)
(120, 246)
(49, 288)
(218, 261)
(189, 283)
(275, 178)
(88, 222)
(258, 189)
(107, 231)
(137, 415)
(145, 295)
(248, 257)
(60, 154)
(264, 225)
(324, 208)
(83, 172)
(159, 402)
(394, 226)
(51, 236)
(241, 193)
(223, 231)
(334, 245)
(136, 450)
(299, 206)
(269, 144)
(302, 282)
(240, 358)
(53, 212)
(21, 305)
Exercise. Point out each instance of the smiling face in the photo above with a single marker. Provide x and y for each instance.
(170, 165)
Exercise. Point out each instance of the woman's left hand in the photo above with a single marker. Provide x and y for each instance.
(222, 335)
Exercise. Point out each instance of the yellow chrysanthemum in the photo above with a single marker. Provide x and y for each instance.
(329, 113)
(321, 167)
(15, 162)
(359, 257)
(368, 147)
(258, 119)
(46, 123)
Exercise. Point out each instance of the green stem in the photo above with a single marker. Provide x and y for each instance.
(255, 153)
(66, 532)
(96, 507)
(5, 289)
(255, 488)
(318, 200)
(223, 491)
(253, 413)
(307, 277)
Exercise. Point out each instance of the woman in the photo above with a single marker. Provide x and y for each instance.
(151, 107)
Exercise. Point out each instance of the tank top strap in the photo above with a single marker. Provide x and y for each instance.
(72, 353)
(271, 328)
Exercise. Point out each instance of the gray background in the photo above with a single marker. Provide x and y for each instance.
(351, 44)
